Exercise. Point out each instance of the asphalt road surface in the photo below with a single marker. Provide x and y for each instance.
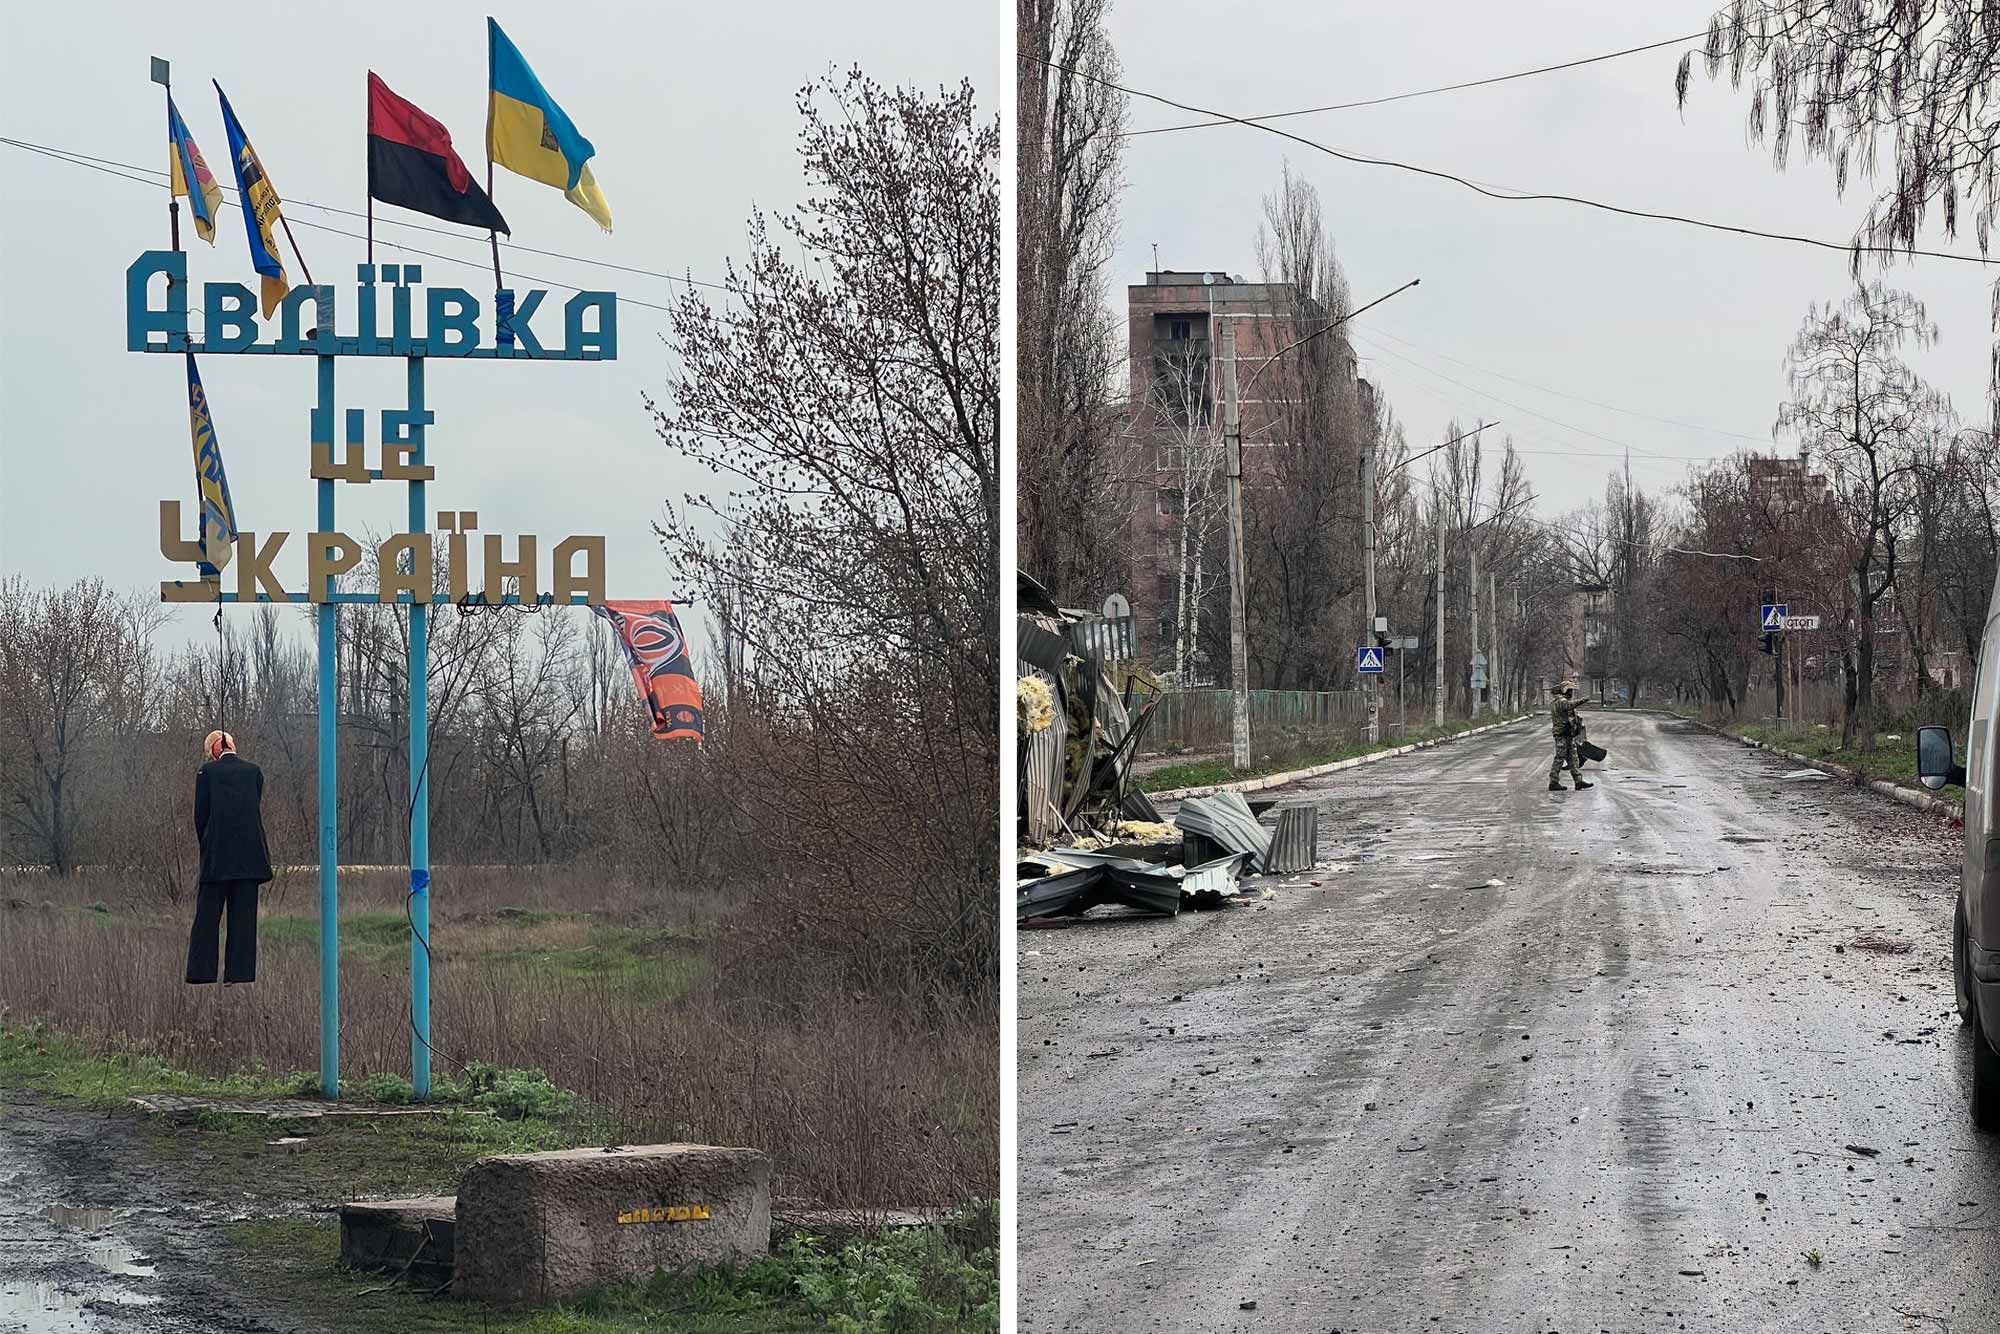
(1616, 1092)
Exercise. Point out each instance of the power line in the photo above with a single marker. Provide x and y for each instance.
(1846, 248)
(109, 166)
(1424, 92)
(1484, 393)
(1542, 388)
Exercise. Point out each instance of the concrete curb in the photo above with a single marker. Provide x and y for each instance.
(1909, 796)
(1318, 770)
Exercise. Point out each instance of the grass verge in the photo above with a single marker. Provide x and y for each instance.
(1202, 773)
(911, 1281)
(1890, 761)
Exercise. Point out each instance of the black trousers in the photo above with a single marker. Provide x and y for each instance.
(239, 962)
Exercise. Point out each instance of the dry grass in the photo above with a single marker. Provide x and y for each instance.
(653, 1007)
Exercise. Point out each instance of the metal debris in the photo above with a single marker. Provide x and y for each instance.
(1131, 884)
(1295, 845)
(1208, 886)
(1226, 819)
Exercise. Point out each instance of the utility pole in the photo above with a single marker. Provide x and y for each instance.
(1437, 704)
(1472, 631)
(1493, 653)
(1239, 649)
(1371, 683)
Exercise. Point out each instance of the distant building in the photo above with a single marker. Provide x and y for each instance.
(1173, 322)
(1788, 485)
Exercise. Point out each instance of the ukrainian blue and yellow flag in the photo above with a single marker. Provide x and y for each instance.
(218, 515)
(189, 174)
(527, 133)
(260, 208)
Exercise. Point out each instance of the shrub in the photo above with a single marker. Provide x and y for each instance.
(516, 1095)
(393, 1089)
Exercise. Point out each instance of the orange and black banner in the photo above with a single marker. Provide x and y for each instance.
(657, 651)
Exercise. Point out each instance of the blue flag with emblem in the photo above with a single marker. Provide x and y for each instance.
(211, 484)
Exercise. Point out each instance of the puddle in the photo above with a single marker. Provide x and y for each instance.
(110, 1255)
(68, 1306)
(60, 1308)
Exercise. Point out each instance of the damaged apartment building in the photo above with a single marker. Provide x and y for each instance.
(1179, 523)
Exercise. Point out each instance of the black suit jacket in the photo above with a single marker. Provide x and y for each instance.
(229, 820)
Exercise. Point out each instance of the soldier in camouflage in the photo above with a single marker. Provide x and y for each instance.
(1567, 728)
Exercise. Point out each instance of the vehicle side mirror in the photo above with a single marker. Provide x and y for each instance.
(1935, 766)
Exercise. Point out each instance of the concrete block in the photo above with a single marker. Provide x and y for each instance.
(543, 1227)
(414, 1237)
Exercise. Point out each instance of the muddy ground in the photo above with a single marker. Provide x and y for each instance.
(98, 1234)
(1693, 1064)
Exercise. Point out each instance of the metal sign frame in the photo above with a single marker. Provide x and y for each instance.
(451, 330)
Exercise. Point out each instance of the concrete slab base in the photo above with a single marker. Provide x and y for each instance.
(842, 1225)
(417, 1237)
(186, 1107)
(543, 1227)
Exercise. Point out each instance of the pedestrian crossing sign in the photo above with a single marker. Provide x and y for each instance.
(1368, 658)
(1774, 615)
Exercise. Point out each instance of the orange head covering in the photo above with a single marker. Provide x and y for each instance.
(219, 744)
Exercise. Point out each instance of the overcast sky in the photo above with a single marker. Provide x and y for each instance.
(1649, 317)
(692, 112)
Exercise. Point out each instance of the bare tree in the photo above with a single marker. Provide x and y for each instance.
(1301, 442)
(1072, 481)
(850, 398)
(61, 653)
(1187, 439)
(1845, 79)
(1862, 414)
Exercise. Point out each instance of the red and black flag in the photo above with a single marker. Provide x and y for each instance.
(657, 650)
(412, 165)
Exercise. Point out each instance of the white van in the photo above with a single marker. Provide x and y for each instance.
(1975, 949)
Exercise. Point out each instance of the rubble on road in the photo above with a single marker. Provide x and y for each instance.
(1089, 837)
(1079, 729)
(1131, 884)
(1138, 866)
(1207, 886)
(1226, 820)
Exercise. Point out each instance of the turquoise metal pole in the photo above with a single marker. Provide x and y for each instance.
(329, 717)
(420, 792)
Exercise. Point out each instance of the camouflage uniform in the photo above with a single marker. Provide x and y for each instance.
(1566, 728)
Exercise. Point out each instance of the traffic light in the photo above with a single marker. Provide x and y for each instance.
(1770, 644)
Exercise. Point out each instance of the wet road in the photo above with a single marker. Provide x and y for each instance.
(1613, 1093)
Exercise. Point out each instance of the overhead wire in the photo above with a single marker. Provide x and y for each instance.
(1553, 421)
(1425, 92)
(1843, 247)
(122, 170)
(1378, 331)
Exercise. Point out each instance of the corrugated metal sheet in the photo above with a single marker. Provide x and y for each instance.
(1295, 845)
(1147, 888)
(1207, 886)
(1041, 768)
(1226, 818)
